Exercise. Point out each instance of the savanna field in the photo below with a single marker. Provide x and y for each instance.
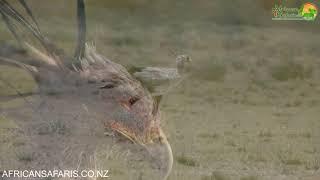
(249, 109)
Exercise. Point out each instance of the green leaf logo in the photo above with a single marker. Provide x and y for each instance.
(308, 11)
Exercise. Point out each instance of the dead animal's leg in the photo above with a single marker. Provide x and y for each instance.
(81, 15)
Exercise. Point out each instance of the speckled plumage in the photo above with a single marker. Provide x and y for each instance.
(159, 79)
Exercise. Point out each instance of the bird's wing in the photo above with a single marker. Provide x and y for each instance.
(157, 74)
(158, 80)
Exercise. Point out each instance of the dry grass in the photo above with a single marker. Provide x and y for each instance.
(250, 106)
(216, 176)
(187, 161)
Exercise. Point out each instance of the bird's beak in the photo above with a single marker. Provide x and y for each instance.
(161, 156)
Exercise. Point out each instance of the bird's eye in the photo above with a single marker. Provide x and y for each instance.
(133, 100)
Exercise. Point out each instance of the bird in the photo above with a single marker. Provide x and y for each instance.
(160, 80)
(91, 96)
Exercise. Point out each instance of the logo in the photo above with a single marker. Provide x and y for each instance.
(308, 12)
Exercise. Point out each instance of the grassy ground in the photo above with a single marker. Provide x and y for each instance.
(250, 108)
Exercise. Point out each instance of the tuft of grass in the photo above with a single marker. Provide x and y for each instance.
(257, 158)
(24, 156)
(231, 143)
(265, 134)
(295, 162)
(311, 150)
(209, 136)
(187, 161)
(19, 142)
(249, 178)
(262, 84)
(313, 165)
(216, 175)
(242, 149)
(288, 158)
(295, 103)
(57, 127)
(307, 135)
(290, 70)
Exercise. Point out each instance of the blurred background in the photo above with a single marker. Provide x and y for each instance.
(250, 108)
